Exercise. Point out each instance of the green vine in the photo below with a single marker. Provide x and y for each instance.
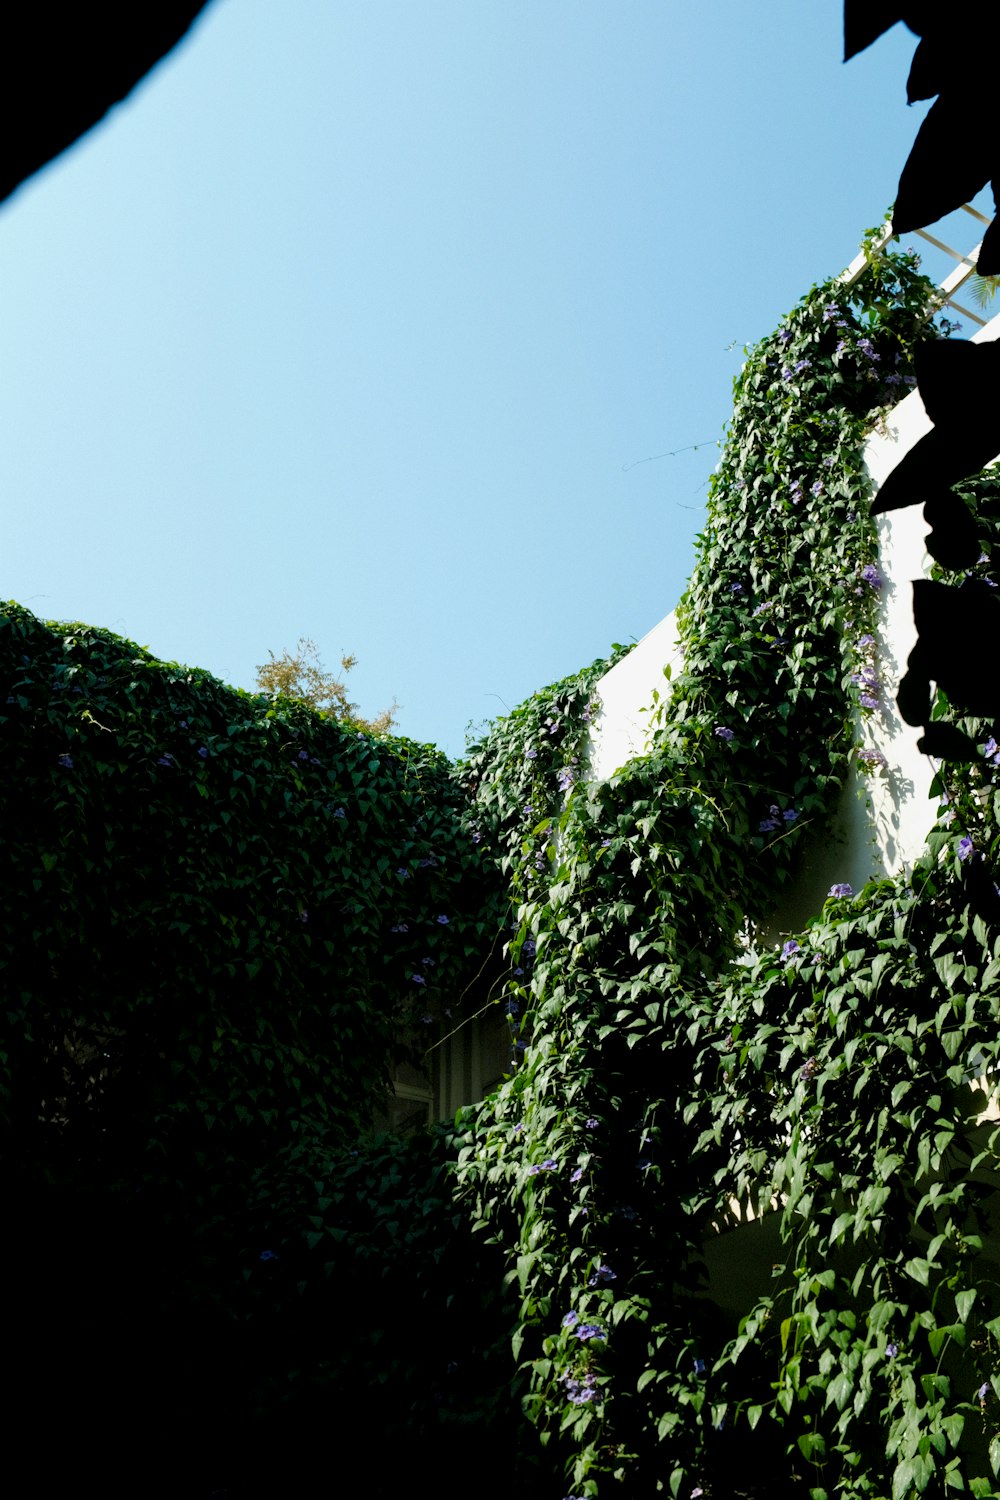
(617, 1145)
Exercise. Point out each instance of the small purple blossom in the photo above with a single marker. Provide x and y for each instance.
(530, 753)
(442, 920)
(165, 760)
(400, 927)
(303, 755)
(570, 1320)
(339, 812)
(736, 588)
(992, 751)
(816, 489)
(842, 348)
(842, 888)
(790, 949)
(418, 979)
(866, 642)
(810, 1070)
(66, 761)
(403, 873)
(722, 733)
(427, 1020)
(800, 366)
(785, 336)
(591, 1124)
(203, 751)
(830, 311)
(590, 1331)
(870, 575)
(871, 758)
(892, 1350)
(868, 348)
(601, 1276)
(790, 814)
(868, 701)
(965, 847)
(565, 779)
(266, 1255)
(303, 915)
(581, 1391)
(577, 1175)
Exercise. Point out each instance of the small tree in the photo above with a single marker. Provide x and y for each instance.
(302, 675)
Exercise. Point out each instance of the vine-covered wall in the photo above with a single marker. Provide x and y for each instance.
(224, 912)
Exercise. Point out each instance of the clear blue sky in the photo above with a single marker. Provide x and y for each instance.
(355, 320)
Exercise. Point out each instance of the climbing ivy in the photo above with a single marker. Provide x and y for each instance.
(226, 915)
(629, 1130)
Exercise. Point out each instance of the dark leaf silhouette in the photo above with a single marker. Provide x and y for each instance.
(866, 20)
(947, 742)
(958, 383)
(957, 629)
(938, 177)
(914, 696)
(63, 67)
(954, 538)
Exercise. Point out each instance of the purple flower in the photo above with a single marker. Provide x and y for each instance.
(403, 873)
(865, 642)
(992, 751)
(549, 1165)
(303, 915)
(165, 760)
(785, 336)
(570, 1320)
(581, 1391)
(800, 366)
(965, 847)
(577, 1175)
(442, 920)
(268, 1255)
(66, 761)
(842, 348)
(418, 979)
(591, 1124)
(841, 889)
(203, 751)
(868, 701)
(400, 927)
(303, 755)
(530, 754)
(810, 1070)
(983, 1392)
(427, 1020)
(699, 1367)
(722, 733)
(736, 588)
(790, 814)
(590, 1331)
(830, 311)
(565, 779)
(870, 574)
(892, 1350)
(872, 758)
(816, 489)
(339, 812)
(867, 347)
(601, 1276)
(790, 948)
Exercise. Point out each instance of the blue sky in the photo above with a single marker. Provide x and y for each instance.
(359, 318)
